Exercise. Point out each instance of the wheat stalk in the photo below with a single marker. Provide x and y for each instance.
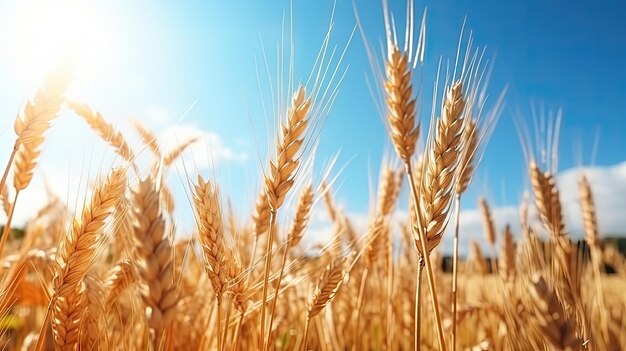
(436, 190)
(467, 171)
(281, 178)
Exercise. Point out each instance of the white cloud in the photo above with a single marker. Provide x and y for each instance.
(208, 151)
(609, 191)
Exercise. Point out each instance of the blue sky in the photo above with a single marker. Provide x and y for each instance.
(193, 63)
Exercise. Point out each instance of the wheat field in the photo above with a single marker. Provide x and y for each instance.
(115, 273)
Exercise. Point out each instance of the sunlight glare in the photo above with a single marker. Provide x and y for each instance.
(45, 32)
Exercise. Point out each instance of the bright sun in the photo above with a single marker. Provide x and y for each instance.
(45, 32)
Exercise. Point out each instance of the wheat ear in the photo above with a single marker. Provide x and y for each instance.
(326, 289)
(590, 221)
(439, 179)
(301, 218)
(558, 330)
(148, 138)
(507, 255)
(282, 170)
(121, 276)
(37, 114)
(548, 205)
(479, 263)
(31, 123)
(472, 139)
(104, 129)
(93, 314)
(155, 259)
(592, 236)
(211, 234)
(75, 257)
(281, 178)
(220, 264)
(172, 155)
(403, 129)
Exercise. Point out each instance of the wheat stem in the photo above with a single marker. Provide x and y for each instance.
(218, 323)
(8, 167)
(306, 333)
(455, 267)
(266, 274)
(359, 304)
(7, 225)
(277, 290)
(426, 256)
(418, 305)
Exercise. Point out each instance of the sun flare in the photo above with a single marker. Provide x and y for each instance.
(43, 33)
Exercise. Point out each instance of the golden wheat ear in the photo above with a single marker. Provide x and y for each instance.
(590, 221)
(327, 287)
(75, 257)
(403, 129)
(148, 138)
(31, 123)
(301, 217)
(282, 170)
(549, 318)
(120, 277)
(488, 223)
(440, 168)
(104, 130)
(155, 260)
